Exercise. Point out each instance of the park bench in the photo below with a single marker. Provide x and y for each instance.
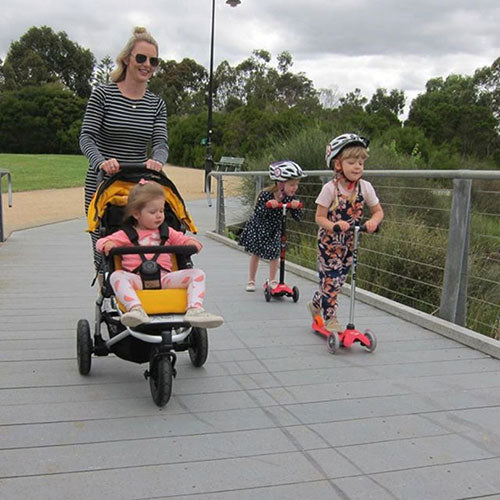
(229, 164)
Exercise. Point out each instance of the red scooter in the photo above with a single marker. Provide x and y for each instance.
(281, 289)
(350, 335)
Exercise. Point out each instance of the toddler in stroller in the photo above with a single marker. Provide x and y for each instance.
(151, 298)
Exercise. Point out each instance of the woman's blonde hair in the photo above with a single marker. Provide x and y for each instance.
(140, 195)
(140, 34)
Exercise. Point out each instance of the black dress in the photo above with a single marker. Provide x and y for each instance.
(262, 233)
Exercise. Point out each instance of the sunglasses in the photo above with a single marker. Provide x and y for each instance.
(141, 58)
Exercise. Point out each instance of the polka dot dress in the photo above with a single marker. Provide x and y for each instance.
(262, 232)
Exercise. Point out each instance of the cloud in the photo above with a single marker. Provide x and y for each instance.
(359, 43)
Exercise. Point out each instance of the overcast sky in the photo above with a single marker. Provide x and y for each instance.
(338, 44)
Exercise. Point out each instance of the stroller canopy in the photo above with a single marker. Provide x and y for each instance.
(115, 189)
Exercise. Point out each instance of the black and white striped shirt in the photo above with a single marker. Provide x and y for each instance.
(115, 126)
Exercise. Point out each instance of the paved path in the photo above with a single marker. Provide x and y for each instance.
(272, 415)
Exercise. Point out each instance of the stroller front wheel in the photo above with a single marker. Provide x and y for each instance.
(198, 351)
(160, 379)
(84, 347)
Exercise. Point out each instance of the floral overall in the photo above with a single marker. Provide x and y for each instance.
(335, 255)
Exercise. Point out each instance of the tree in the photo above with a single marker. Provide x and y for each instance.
(227, 94)
(329, 98)
(2, 78)
(353, 100)
(182, 85)
(381, 100)
(452, 112)
(44, 119)
(104, 69)
(42, 56)
(487, 83)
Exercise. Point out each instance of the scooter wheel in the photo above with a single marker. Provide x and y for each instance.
(267, 293)
(373, 340)
(295, 294)
(333, 343)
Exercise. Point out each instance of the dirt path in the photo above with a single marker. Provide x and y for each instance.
(35, 208)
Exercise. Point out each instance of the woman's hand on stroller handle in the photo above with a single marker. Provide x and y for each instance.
(153, 165)
(110, 166)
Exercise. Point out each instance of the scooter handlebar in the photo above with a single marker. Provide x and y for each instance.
(362, 228)
(280, 205)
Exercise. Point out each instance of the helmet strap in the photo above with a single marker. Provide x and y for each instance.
(281, 187)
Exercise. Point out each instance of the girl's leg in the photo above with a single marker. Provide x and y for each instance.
(334, 264)
(191, 279)
(124, 285)
(194, 281)
(252, 270)
(273, 269)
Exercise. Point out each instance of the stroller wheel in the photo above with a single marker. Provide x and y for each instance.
(295, 295)
(198, 351)
(160, 379)
(84, 347)
(373, 340)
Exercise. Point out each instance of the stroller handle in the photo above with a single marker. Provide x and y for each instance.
(156, 249)
(280, 205)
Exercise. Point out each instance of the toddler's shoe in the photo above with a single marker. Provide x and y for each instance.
(197, 316)
(315, 311)
(134, 317)
(251, 286)
(332, 325)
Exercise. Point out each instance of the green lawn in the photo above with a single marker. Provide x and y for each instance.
(30, 172)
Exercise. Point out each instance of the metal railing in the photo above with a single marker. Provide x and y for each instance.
(450, 200)
(9, 180)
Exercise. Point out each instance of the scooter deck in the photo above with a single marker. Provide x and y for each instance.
(346, 337)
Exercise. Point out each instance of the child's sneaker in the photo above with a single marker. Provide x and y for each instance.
(251, 286)
(315, 311)
(134, 317)
(272, 284)
(332, 325)
(197, 316)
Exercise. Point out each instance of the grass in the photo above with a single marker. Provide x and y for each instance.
(32, 172)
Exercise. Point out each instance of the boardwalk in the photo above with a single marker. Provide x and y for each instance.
(272, 415)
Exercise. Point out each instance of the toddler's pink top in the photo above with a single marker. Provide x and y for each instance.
(147, 237)
(327, 194)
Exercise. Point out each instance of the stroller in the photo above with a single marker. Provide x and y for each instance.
(156, 342)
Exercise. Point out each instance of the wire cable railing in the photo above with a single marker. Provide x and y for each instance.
(428, 254)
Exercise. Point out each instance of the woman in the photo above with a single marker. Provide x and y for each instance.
(123, 119)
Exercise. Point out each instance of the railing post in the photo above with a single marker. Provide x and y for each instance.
(220, 216)
(9, 180)
(453, 305)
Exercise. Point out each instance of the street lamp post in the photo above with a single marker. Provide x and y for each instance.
(209, 161)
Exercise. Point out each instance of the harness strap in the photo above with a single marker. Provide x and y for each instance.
(133, 236)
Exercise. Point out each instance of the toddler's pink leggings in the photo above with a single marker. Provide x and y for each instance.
(125, 284)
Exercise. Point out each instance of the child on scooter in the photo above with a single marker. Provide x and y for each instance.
(262, 234)
(145, 212)
(340, 203)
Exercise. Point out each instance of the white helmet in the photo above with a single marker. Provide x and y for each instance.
(336, 145)
(285, 170)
